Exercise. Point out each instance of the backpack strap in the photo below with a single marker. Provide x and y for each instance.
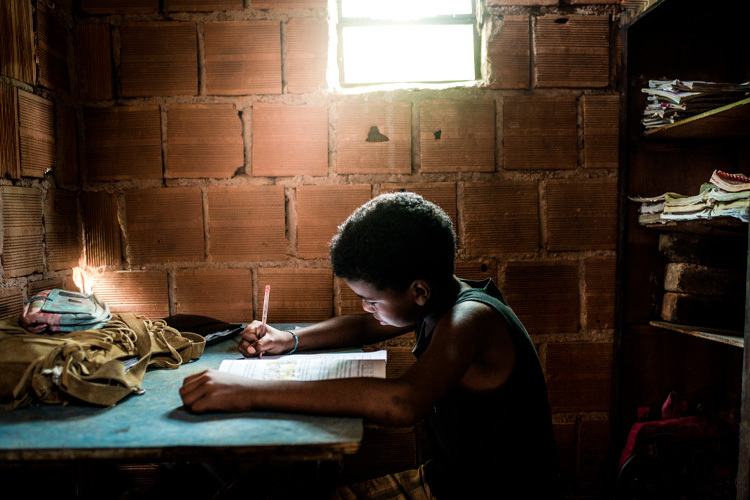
(169, 347)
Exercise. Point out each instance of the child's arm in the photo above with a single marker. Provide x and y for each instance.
(353, 330)
(469, 340)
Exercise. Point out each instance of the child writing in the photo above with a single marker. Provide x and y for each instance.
(476, 382)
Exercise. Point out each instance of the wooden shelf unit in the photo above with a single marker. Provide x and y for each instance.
(685, 40)
(717, 225)
(728, 337)
(730, 121)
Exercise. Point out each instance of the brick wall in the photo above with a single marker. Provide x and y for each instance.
(187, 153)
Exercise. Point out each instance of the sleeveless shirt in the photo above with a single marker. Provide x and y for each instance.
(500, 441)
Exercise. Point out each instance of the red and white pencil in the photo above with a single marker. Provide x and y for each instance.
(265, 315)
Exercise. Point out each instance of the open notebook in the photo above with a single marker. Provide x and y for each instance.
(319, 366)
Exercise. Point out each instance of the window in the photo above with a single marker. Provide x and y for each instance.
(394, 41)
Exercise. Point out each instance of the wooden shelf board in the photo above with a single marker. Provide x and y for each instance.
(716, 225)
(730, 121)
(646, 9)
(713, 334)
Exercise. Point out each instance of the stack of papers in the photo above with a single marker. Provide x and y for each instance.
(725, 195)
(670, 101)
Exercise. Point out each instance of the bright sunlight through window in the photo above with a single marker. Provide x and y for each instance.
(390, 41)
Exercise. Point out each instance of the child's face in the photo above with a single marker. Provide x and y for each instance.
(388, 306)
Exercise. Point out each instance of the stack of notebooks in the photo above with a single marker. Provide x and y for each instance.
(670, 101)
(724, 195)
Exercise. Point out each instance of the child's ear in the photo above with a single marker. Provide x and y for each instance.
(421, 291)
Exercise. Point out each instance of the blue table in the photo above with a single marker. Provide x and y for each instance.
(155, 427)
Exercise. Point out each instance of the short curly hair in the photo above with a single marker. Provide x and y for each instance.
(394, 239)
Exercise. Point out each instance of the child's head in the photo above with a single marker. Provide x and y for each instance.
(394, 239)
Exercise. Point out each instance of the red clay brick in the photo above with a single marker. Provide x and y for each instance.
(596, 448)
(120, 7)
(374, 137)
(164, 225)
(601, 131)
(22, 231)
(349, 302)
(306, 55)
(289, 4)
(11, 302)
(383, 450)
(297, 295)
(93, 47)
(618, 56)
(247, 223)
(572, 51)
(158, 58)
(17, 57)
(567, 449)
(400, 359)
(289, 140)
(495, 3)
(457, 135)
(52, 49)
(509, 54)
(243, 57)
(123, 143)
(442, 194)
(501, 217)
(600, 285)
(544, 295)
(102, 229)
(36, 126)
(202, 5)
(34, 287)
(66, 170)
(579, 376)
(10, 158)
(320, 210)
(581, 214)
(477, 270)
(224, 294)
(62, 235)
(205, 140)
(142, 292)
(540, 133)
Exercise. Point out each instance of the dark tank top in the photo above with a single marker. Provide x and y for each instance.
(497, 444)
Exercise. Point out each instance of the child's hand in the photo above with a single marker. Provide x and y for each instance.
(273, 342)
(213, 390)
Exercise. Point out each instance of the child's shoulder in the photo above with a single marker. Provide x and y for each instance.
(479, 297)
(480, 314)
(482, 335)
(474, 317)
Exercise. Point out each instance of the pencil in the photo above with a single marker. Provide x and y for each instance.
(265, 315)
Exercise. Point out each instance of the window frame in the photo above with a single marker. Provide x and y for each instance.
(456, 19)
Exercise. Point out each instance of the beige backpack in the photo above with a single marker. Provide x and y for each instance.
(98, 366)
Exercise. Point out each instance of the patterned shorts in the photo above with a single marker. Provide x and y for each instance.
(407, 485)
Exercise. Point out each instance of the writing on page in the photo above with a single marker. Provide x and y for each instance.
(309, 366)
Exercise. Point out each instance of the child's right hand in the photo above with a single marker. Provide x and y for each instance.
(273, 342)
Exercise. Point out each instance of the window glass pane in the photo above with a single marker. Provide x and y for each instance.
(408, 53)
(403, 9)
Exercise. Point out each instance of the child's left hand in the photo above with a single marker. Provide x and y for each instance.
(212, 390)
